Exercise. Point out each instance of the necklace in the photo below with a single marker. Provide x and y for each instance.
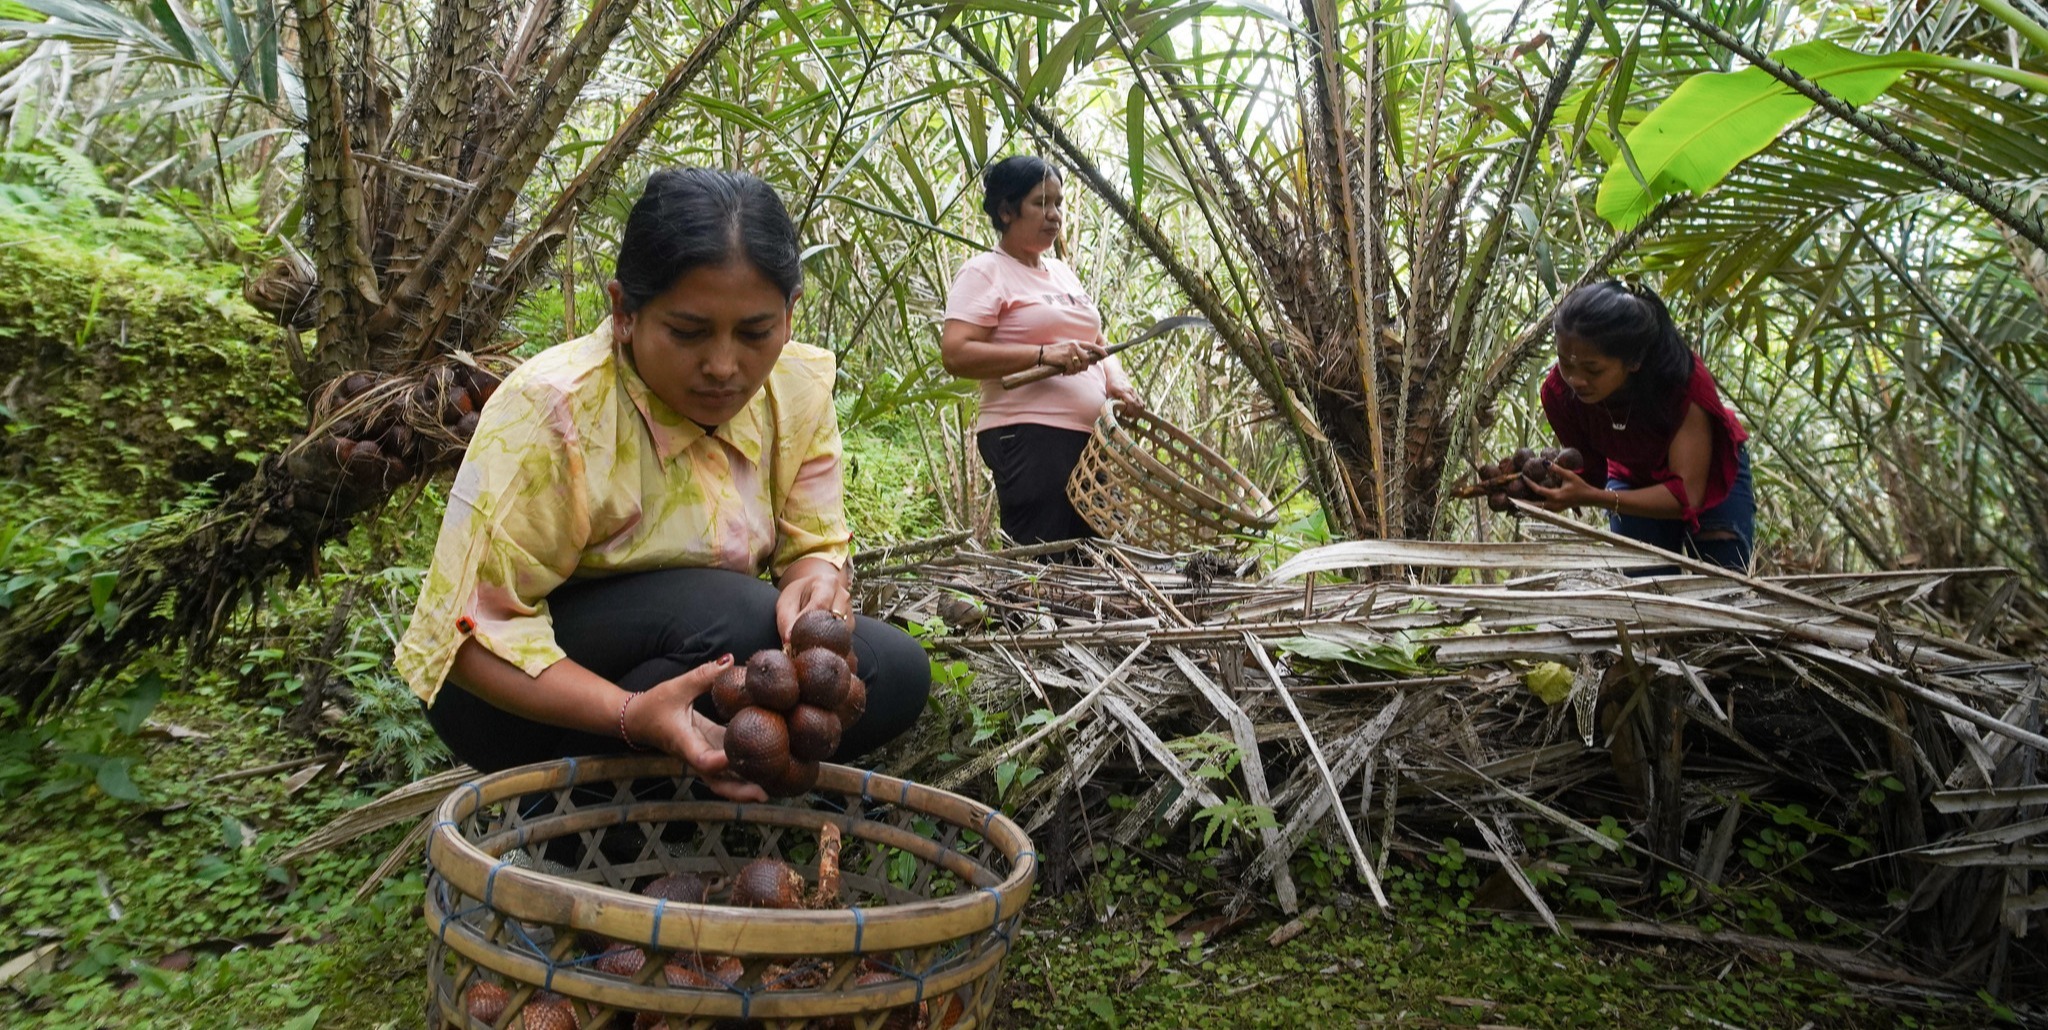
(1623, 423)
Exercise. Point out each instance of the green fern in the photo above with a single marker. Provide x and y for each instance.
(395, 734)
(66, 174)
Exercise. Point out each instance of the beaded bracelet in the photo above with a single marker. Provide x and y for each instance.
(630, 698)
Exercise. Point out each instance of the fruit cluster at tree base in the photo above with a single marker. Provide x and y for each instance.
(1516, 476)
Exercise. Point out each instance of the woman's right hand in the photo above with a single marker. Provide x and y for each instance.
(1571, 492)
(1073, 356)
(665, 718)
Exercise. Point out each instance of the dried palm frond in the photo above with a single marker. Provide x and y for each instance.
(1397, 713)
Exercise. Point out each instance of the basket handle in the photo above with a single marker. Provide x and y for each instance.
(1105, 420)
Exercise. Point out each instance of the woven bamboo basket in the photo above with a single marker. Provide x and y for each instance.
(1145, 481)
(532, 873)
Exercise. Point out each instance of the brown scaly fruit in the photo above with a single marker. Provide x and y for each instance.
(822, 677)
(905, 1017)
(757, 744)
(484, 1002)
(686, 974)
(813, 733)
(621, 960)
(1570, 458)
(798, 975)
(771, 679)
(729, 692)
(821, 629)
(794, 780)
(713, 974)
(947, 1012)
(768, 883)
(855, 705)
(549, 1012)
(479, 384)
(1499, 502)
(354, 385)
(398, 442)
(685, 887)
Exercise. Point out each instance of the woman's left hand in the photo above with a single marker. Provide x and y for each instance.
(1125, 396)
(1571, 492)
(812, 585)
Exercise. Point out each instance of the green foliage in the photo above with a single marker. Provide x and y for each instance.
(1715, 120)
(889, 493)
(245, 65)
(1213, 759)
(71, 197)
(1398, 652)
(1133, 950)
(190, 880)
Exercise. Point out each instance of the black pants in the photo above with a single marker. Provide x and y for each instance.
(643, 629)
(1031, 465)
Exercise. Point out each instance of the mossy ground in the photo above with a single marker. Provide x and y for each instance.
(129, 380)
(170, 911)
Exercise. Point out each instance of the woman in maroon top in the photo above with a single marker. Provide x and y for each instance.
(1664, 455)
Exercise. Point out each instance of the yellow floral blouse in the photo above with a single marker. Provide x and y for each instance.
(578, 469)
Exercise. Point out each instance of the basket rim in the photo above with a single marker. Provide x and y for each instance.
(539, 897)
(1114, 439)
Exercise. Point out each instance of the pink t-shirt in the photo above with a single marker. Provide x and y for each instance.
(1029, 308)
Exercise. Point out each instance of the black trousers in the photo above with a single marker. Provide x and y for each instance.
(1031, 464)
(642, 629)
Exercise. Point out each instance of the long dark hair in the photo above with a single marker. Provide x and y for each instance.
(1007, 182)
(688, 218)
(1630, 324)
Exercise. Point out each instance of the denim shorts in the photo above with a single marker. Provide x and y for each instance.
(1735, 514)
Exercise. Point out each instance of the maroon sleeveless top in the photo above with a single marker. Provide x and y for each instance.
(1642, 458)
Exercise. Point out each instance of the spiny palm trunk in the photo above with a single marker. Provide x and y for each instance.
(404, 302)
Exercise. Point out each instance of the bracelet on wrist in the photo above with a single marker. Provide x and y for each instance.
(628, 703)
(1041, 356)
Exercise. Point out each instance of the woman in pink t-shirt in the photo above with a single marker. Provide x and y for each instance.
(1017, 307)
(1662, 453)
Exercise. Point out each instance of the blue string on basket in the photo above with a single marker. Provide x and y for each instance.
(449, 913)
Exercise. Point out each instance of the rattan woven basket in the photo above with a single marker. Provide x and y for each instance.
(532, 873)
(1143, 480)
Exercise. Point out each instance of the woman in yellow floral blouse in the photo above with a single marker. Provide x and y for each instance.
(601, 558)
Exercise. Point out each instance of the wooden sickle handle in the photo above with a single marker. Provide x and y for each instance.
(1029, 375)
